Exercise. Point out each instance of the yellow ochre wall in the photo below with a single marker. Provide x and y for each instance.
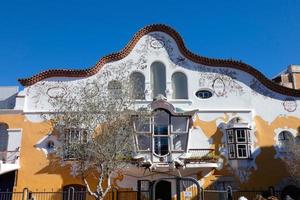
(270, 171)
(37, 172)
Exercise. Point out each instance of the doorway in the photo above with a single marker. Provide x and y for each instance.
(163, 190)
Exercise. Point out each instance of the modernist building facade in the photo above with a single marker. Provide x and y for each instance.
(221, 122)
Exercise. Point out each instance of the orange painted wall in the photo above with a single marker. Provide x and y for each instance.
(39, 172)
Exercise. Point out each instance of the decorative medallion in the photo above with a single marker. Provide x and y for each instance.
(157, 43)
(56, 92)
(219, 87)
(91, 89)
(289, 105)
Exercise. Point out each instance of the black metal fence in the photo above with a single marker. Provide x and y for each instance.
(65, 195)
(131, 195)
(230, 194)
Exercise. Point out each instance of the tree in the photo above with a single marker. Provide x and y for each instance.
(94, 122)
(292, 158)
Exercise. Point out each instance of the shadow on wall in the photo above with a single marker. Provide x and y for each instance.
(260, 171)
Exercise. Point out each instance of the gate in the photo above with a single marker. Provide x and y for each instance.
(185, 189)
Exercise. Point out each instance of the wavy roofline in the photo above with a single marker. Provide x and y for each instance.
(183, 50)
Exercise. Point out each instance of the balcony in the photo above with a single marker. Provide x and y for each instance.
(197, 158)
(9, 161)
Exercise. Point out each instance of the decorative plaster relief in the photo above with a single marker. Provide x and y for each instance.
(219, 87)
(56, 92)
(47, 144)
(289, 104)
(91, 89)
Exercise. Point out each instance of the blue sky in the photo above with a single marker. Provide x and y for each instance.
(40, 35)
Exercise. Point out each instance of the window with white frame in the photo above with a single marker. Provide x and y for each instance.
(161, 133)
(142, 127)
(73, 137)
(239, 143)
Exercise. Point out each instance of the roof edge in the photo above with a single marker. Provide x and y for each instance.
(227, 63)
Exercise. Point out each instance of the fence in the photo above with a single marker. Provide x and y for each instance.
(70, 194)
(131, 195)
(230, 194)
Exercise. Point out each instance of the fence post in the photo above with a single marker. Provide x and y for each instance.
(25, 194)
(178, 193)
(202, 193)
(229, 193)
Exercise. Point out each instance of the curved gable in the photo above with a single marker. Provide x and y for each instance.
(183, 50)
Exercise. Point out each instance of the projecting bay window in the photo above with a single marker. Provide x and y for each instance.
(239, 143)
(162, 133)
(161, 139)
(143, 131)
(179, 130)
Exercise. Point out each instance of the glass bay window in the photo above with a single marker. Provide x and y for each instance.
(162, 133)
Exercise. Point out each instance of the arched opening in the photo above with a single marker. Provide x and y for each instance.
(163, 190)
(292, 191)
(179, 86)
(74, 191)
(158, 79)
(137, 81)
(285, 139)
(3, 141)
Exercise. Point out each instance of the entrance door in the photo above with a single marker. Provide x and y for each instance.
(163, 190)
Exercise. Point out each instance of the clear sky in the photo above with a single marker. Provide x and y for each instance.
(44, 34)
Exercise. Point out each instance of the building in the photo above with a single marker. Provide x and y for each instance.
(222, 121)
(289, 78)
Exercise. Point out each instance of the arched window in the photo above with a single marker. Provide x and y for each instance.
(158, 79)
(137, 80)
(285, 138)
(179, 86)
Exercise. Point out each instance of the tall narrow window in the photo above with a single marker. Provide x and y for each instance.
(161, 132)
(3, 141)
(137, 80)
(158, 79)
(179, 86)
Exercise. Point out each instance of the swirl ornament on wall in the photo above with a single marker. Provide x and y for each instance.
(56, 92)
(289, 104)
(91, 89)
(219, 87)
